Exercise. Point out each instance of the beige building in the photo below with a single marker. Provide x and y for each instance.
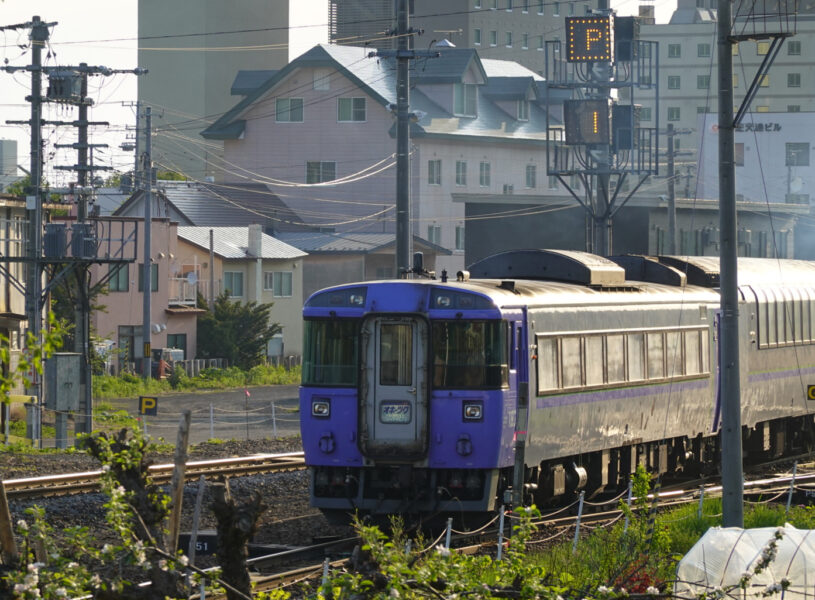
(253, 267)
(194, 49)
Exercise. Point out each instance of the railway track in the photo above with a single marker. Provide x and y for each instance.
(88, 481)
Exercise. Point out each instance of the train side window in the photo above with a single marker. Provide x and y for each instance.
(513, 346)
(396, 354)
(547, 364)
(705, 341)
(693, 349)
(615, 355)
(636, 356)
(673, 352)
(570, 361)
(594, 360)
(656, 355)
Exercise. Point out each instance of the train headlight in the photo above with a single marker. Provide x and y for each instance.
(473, 411)
(321, 408)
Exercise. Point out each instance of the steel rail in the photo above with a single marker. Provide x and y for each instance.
(89, 481)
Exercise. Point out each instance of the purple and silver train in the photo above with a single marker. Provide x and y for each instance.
(540, 374)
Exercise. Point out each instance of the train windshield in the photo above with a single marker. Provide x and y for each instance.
(330, 352)
(470, 354)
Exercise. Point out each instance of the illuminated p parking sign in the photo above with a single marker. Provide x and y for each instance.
(590, 39)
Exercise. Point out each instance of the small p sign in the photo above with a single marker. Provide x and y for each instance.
(811, 392)
(148, 405)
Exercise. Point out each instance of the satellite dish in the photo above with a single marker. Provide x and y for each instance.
(192, 278)
(156, 328)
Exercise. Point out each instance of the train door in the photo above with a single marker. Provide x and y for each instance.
(393, 399)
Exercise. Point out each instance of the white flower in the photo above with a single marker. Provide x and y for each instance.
(652, 591)
(162, 564)
(394, 593)
(183, 560)
(61, 592)
(105, 468)
(22, 525)
(603, 590)
(442, 551)
(96, 581)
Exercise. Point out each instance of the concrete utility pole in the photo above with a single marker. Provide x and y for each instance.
(404, 239)
(403, 54)
(671, 193)
(147, 288)
(732, 476)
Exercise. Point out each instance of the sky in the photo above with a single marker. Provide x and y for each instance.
(104, 33)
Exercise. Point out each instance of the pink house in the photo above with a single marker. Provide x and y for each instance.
(173, 312)
(320, 134)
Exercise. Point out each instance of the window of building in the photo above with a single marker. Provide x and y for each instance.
(434, 234)
(765, 80)
(571, 9)
(461, 172)
(793, 80)
(553, 182)
(762, 48)
(459, 237)
(508, 39)
(119, 278)
(673, 82)
(703, 50)
(673, 113)
(574, 182)
(233, 283)
(509, 5)
(350, 109)
(645, 79)
(522, 110)
(540, 7)
(794, 48)
(702, 82)
(797, 154)
(289, 110)
(674, 51)
(484, 174)
(477, 4)
(178, 340)
(793, 108)
(701, 110)
(700, 3)
(531, 176)
(526, 6)
(322, 79)
(268, 281)
(735, 80)
(464, 99)
(320, 171)
(645, 113)
(738, 154)
(735, 51)
(556, 9)
(762, 108)
(281, 282)
(493, 38)
(476, 37)
(493, 4)
(525, 41)
(153, 277)
(540, 43)
(434, 171)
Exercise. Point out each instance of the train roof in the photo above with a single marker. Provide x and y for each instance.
(564, 277)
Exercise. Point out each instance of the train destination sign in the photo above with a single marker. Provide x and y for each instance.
(590, 39)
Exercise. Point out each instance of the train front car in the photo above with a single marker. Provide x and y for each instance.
(407, 399)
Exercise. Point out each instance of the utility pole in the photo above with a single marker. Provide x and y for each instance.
(671, 193)
(403, 54)
(732, 476)
(147, 288)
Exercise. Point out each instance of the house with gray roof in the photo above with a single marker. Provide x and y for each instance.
(337, 258)
(253, 267)
(320, 133)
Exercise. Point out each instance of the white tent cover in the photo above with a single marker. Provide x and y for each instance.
(724, 555)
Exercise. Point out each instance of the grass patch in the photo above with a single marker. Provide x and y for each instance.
(129, 386)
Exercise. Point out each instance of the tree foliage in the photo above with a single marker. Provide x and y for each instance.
(236, 331)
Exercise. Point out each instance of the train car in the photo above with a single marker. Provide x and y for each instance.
(540, 374)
